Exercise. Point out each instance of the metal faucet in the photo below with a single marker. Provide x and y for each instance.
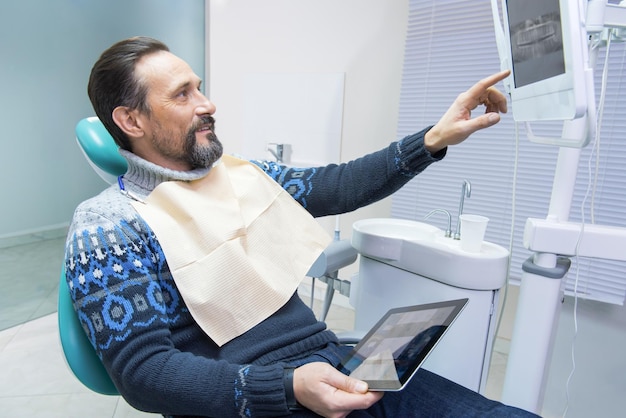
(448, 232)
(276, 150)
(466, 191)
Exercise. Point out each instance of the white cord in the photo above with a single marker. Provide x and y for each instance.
(600, 114)
(512, 233)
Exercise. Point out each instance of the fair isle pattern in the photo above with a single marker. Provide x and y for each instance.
(240, 401)
(120, 282)
(296, 181)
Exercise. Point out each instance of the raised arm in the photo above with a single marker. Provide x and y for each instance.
(345, 187)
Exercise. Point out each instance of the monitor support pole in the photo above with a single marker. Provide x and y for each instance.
(539, 302)
(553, 240)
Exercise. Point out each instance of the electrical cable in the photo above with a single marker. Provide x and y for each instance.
(511, 235)
(600, 114)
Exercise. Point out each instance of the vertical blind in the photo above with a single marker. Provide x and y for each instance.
(450, 45)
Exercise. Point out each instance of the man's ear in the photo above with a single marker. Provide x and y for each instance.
(128, 121)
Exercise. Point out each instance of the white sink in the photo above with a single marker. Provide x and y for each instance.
(423, 249)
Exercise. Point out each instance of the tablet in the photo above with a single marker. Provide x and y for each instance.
(392, 351)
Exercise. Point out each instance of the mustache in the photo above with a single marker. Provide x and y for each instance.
(204, 121)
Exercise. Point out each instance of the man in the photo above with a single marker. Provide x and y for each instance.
(173, 270)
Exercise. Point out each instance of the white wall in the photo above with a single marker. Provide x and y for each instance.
(362, 38)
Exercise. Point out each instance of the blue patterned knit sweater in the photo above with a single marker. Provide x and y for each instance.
(126, 299)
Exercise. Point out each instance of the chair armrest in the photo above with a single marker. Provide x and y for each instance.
(338, 254)
(350, 337)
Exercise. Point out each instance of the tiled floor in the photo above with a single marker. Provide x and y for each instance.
(36, 381)
(29, 276)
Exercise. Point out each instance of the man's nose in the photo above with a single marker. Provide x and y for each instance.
(205, 106)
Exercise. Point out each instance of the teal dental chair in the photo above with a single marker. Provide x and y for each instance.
(102, 154)
(100, 149)
(80, 355)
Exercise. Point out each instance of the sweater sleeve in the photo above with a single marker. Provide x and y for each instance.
(127, 303)
(342, 188)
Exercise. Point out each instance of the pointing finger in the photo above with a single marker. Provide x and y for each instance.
(479, 89)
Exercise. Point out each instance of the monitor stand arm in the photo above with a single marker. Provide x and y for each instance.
(542, 289)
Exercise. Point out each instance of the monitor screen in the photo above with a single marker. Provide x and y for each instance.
(536, 40)
(546, 49)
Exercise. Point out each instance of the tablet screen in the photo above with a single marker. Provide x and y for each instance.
(390, 354)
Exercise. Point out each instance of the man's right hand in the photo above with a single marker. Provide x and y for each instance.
(330, 393)
(457, 124)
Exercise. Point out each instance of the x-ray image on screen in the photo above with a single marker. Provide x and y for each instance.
(536, 40)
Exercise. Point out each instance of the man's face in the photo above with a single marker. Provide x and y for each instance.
(179, 131)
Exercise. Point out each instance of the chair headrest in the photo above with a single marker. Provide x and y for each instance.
(100, 149)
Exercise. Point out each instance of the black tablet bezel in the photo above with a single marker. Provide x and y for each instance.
(415, 360)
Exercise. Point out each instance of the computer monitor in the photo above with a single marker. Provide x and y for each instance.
(547, 50)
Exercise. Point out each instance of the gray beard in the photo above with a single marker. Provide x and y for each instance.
(203, 156)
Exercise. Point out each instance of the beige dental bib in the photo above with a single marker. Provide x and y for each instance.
(237, 244)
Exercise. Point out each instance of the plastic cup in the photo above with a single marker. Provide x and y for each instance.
(473, 229)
